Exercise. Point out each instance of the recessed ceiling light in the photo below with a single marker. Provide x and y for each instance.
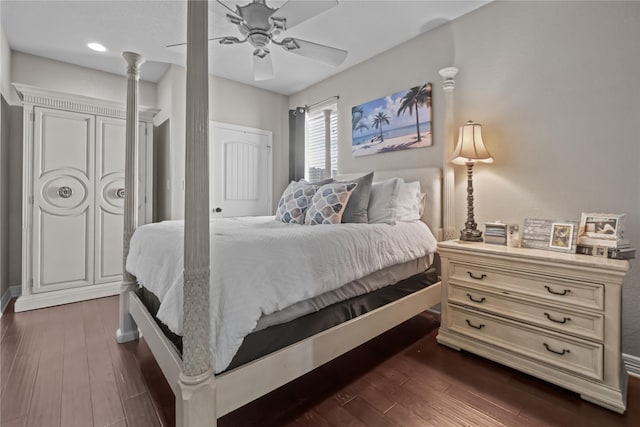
(97, 47)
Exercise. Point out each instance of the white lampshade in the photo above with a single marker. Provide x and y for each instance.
(470, 146)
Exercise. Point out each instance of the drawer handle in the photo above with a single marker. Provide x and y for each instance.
(481, 300)
(480, 326)
(564, 320)
(565, 292)
(561, 353)
(476, 277)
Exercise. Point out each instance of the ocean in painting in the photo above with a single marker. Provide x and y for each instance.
(409, 130)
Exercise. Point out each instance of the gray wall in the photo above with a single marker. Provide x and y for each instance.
(15, 196)
(555, 85)
(4, 195)
(161, 172)
(5, 129)
(229, 102)
(55, 75)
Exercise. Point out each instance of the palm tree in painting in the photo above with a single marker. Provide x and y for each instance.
(380, 119)
(416, 97)
(357, 117)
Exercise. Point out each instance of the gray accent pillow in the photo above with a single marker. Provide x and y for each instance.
(358, 204)
(317, 183)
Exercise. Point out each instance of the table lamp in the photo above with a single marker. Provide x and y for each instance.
(470, 149)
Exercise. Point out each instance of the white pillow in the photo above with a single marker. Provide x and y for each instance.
(383, 201)
(410, 202)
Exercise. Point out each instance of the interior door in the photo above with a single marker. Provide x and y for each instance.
(110, 160)
(63, 199)
(240, 171)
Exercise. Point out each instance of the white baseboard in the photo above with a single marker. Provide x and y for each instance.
(632, 363)
(66, 296)
(11, 292)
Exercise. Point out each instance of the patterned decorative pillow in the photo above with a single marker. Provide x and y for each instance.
(294, 202)
(329, 203)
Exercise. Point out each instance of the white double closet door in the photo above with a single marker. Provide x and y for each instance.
(78, 199)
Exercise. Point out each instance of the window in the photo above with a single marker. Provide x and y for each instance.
(320, 155)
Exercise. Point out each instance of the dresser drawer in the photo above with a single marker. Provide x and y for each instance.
(569, 292)
(580, 357)
(582, 324)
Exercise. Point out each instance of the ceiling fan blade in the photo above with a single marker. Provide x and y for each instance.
(226, 7)
(182, 47)
(327, 54)
(262, 65)
(295, 12)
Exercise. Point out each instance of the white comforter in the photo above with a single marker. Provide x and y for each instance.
(260, 265)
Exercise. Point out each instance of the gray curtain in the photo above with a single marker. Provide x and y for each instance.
(296, 143)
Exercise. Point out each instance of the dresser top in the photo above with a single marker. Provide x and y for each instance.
(535, 254)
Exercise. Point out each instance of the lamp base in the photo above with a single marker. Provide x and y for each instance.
(470, 235)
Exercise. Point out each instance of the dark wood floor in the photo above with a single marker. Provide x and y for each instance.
(61, 366)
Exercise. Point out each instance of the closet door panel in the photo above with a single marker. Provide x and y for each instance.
(63, 247)
(63, 212)
(110, 160)
(63, 141)
(110, 146)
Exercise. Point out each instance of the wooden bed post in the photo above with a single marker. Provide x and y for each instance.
(196, 405)
(128, 330)
(449, 231)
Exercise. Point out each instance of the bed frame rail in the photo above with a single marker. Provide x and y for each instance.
(248, 382)
(237, 387)
(165, 353)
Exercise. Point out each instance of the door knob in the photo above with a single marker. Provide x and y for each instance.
(217, 210)
(65, 192)
(120, 193)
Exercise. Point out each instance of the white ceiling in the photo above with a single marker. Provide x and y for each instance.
(60, 30)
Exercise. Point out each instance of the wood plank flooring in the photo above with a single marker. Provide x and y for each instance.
(61, 366)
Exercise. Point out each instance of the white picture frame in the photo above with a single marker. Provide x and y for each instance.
(601, 226)
(561, 236)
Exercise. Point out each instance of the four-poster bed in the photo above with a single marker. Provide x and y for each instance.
(201, 396)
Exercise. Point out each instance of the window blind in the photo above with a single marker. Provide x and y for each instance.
(317, 153)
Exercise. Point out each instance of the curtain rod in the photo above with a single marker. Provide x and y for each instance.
(307, 107)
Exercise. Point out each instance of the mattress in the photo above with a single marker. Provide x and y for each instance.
(261, 342)
(364, 285)
(261, 266)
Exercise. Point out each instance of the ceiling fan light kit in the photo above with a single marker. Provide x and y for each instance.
(260, 24)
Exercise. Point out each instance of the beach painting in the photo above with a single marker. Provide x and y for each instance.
(395, 122)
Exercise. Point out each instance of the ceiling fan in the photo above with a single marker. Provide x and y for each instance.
(260, 26)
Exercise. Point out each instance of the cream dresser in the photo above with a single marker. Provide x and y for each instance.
(556, 316)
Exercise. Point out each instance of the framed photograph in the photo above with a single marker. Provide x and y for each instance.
(549, 235)
(399, 121)
(600, 251)
(601, 226)
(561, 236)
